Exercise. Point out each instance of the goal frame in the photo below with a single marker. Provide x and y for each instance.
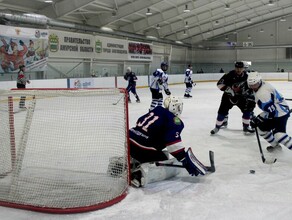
(98, 206)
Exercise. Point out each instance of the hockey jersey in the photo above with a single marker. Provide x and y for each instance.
(237, 82)
(271, 101)
(21, 78)
(188, 75)
(159, 80)
(131, 78)
(157, 129)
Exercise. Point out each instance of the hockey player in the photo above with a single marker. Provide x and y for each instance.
(21, 84)
(271, 123)
(157, 134)
(188, 81)
(159, 82)
(131, 78)
(235, 92)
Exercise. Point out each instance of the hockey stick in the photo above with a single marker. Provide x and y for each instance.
(261, 150)
(210, 168)
(115, 103)
(288, 99)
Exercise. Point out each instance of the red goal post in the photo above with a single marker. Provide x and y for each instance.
(56, 154)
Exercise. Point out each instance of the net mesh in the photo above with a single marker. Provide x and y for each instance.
(56, 152)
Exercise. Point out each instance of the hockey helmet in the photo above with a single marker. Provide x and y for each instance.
(174, 104)
(164, 66)
(239, 64)
(129, 69)
(254, 78)
(21, 66)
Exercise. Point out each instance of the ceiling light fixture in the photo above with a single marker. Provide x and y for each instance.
(179, 42)
(227, 6)
(283, 19)
(158, 27)
(248, 37)
(48, 1)
(151, 37)
(186, 9)
(107, 29)
(185, 33)
(271, 3)
(289, 29)
(226, 37)
(216, 23)
(262, 30)
(187, 25)
(148, 12)
(248, 21)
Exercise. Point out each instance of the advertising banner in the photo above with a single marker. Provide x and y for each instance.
(71, 45)
(23, 46)
(140, 51)
(111, 48)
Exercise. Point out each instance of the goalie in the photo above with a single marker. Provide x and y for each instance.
(156, 135)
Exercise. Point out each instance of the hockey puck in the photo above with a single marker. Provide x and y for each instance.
(252, 171)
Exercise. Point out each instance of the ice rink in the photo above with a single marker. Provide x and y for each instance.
(229, 193)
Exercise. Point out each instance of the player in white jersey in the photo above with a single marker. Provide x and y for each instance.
(272, 122)
(159, 82)
(188, 81)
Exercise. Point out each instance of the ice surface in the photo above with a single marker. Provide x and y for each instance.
(230, 193)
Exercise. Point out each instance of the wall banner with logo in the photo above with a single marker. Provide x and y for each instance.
(111, 48)
(23, 46)
(140, 51)
(70, 45)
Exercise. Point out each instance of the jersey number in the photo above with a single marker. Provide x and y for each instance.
(147, 121)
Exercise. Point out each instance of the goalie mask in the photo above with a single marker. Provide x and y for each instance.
(174, 105)
(254, 80)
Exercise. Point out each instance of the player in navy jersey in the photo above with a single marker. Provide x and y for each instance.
(159, 82)
(131, 78)
(157, 134)
(272, 122)
(188, 81)
(235, 93)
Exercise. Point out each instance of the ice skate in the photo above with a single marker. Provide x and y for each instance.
(137, 177)
(214, 131)
(247, 130)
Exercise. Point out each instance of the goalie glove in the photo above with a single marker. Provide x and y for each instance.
(229, 91)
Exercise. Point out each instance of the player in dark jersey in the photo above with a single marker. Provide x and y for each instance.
(131, 78)
(157, 134)
(235, 93)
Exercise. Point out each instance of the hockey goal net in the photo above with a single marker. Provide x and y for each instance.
(55, 153)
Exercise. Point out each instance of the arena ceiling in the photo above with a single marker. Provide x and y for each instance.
(184, 21)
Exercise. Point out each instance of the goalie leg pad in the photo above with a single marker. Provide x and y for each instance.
(150, 173)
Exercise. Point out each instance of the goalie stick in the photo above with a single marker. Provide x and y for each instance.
(210, 168)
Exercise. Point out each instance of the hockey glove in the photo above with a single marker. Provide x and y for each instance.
(159, 81)
(236, 88)
(167, 92)
(256, 121)
(229, 91)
